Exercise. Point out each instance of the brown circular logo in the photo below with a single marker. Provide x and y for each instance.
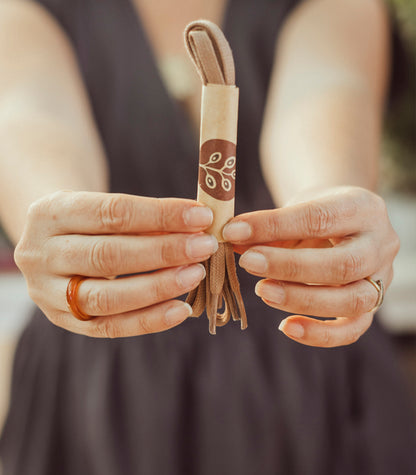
(217, 169)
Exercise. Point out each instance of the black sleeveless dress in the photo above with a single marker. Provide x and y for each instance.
(184, 402)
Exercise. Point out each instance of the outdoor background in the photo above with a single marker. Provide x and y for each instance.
(397, 185)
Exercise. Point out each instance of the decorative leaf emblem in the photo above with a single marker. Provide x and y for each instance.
(217, 169)
(214, 158)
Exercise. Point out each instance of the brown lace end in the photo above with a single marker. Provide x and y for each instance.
(220, 290)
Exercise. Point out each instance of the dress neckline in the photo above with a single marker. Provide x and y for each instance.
(175, 105)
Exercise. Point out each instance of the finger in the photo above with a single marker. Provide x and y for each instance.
(100, 297)
(322, 218)
(101, 256)
(289, 244)
(154, 319)
(326, 334)
(348, 301)
(112, 213)
(338, 265)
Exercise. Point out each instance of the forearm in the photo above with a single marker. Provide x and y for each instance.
(40, 155)
(330, 138)
(48, 139)
(324, 111)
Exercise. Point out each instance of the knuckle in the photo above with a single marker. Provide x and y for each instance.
(353, 335)
(308, 303)
(44, 205)
(359, 195)
(99, 302)
(34, 294)
(145, 324)
(271, 226)
(162, 214)
(37, 208)
(395, 243)
(291, 269)
(34, 211)
(378, 204)
(351, 206)
(62, 195)
(103, 257)
(47, 209)
(167, 253)
(106, 328)
(57, 318)
(20, 255)
(350, 268)
(24, 255)
(64, 254)
(326, 337)
(319, 220)
(361, 302)
(115, 213)
(390, 277)
(157, 292)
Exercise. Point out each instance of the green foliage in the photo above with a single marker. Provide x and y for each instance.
(405, 11)
(400, 135)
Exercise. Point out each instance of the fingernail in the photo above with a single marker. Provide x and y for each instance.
(270, 291)
(293, 329)
(198, 216)
(200, 246)
(238, 231)
(253, 262)
(190, 276)
(178, 313)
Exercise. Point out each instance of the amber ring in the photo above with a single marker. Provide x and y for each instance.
(379, 286)
(72, 298)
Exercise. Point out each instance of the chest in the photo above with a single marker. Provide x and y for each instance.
(163, 23)
(150, 148)
(165, 20)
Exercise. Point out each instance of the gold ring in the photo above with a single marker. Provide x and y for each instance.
(379, 286)
(72, 298)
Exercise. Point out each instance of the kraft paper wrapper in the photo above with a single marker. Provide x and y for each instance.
(219, 113)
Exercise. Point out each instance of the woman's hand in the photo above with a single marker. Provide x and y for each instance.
(314, 255)
(100, 235)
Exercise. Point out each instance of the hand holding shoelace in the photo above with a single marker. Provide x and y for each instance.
(154, 244)
(325, 254)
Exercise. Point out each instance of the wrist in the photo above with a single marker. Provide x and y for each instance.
(316, 192)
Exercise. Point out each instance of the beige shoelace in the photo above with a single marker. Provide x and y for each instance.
(212, 56)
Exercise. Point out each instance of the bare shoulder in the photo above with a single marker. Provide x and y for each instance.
(343, 16)
(336, 40)
(355, 22)
(41, 85)
(27, 27)
(28, 14)
(37, 61)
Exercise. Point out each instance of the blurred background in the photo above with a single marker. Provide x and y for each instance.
(397, 185)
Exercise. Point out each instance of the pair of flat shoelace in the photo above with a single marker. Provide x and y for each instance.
(213, 59)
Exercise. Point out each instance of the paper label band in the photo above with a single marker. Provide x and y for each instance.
(217, 159)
